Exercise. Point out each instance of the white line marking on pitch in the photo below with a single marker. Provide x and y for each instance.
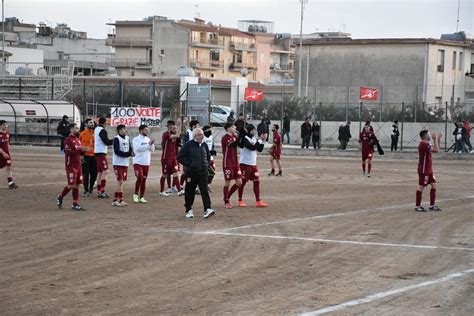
(350, 242)
(380, 295)
(286, 221)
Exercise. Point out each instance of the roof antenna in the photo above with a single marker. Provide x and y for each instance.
(457, 22)
(198, 15)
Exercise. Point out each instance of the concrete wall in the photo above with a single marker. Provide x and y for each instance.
(133, 31)
(174, 41)
(90, 50)
(398, 68)
(22, 56)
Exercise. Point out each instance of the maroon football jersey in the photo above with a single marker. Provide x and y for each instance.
(229, 153)
(5, 141)
(277, 142)
(425, 159)
(170, 147)
(367, 141)
(72, 152)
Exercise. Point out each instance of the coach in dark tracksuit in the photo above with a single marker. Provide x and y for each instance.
(195, 156)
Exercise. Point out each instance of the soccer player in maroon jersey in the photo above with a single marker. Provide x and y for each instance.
(169, 164)
(5, 155)
(425, 169)
(275, 151)
(72, 156)
(230, 162)
(367, 141)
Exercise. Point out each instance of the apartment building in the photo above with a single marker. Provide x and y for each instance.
(413, 70)
(275, 53)
(158, 46)
(60, 45)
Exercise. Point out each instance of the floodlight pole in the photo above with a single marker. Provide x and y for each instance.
(303, 3)
(3, 38)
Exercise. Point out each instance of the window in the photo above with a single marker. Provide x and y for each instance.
(454, 60)
(440, 67)
(472, 63)
(215, 54)
(162, 52)
(218, 110)
(461, 61)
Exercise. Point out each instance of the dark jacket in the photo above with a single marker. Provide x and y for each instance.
(286, 124)
(120, 153)
(305, 130)
(346, 133)
(315, 132)
(240, 125)
(395, 130)
(262, 128)
(195, 157)
(63, 128)
(245, 143)
(461, 131)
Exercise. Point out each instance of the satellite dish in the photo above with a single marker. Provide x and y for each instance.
(244, 72)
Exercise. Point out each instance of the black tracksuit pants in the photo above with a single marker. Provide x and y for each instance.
(194, 180)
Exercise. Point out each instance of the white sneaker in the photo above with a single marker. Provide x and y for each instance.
(116, 203)
(164, 193)
(472, 151)
(169, 191)
(181, 192)
(123, 203)
(189, 214)
(208, 213)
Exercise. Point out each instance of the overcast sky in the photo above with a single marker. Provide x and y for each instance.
(363, 19)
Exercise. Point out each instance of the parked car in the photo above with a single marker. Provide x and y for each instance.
(219, 114)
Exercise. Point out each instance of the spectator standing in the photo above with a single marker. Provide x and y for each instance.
(231, 118)
(305, 133)
(458, 133)
(63, 130)
(315, 134)
(286, 129)
(394, 136)
(467, 135)
(344, 135)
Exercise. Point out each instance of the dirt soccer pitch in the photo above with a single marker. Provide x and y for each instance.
(330, 242)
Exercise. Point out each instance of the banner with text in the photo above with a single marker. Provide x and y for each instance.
(135, 116)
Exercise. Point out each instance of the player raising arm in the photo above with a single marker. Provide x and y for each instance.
(425, 169)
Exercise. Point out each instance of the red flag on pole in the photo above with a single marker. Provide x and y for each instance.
(253, 94)
(368, 93)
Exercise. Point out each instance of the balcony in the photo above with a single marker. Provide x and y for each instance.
(206, 64)
(241, 47)
(239, 66)
(138, 63)
(129, 41)
(211, 43)
(281, 67)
